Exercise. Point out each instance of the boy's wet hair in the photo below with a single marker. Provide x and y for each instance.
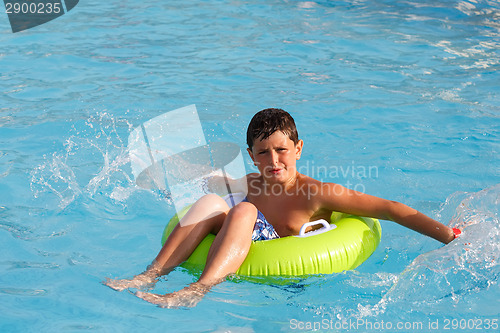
(264, 123)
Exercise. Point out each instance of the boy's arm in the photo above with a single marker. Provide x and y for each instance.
(338, 198)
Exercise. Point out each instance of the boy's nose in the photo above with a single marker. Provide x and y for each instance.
(274, 158)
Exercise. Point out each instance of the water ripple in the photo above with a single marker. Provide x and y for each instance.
(23, 292)
(29, 265)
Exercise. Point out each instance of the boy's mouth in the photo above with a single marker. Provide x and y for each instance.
(276, 171)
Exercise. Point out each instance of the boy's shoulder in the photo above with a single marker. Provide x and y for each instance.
(319, 190)
(304, 180)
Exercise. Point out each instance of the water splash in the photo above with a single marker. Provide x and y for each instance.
(459, 274)
(94, 161)
(56, 177)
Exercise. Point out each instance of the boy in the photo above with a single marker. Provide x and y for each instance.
(279, 201)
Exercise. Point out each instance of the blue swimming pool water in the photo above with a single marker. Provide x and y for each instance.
(409, 90)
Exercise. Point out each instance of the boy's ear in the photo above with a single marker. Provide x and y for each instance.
(298, 149)
(251, 154)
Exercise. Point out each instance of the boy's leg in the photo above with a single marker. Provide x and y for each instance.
(230, 247)
(226, 255)
(205, 216)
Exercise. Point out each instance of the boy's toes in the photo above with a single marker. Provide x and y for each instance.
(114, 284)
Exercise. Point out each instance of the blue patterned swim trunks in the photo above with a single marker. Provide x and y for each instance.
(262, 229)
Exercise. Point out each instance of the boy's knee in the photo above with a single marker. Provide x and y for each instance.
(244, 212)
(214, 201)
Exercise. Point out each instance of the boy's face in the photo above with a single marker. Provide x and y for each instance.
(276, 157)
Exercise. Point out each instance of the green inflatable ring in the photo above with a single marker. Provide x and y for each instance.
(345, 247)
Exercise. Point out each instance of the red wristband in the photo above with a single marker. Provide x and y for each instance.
(457, 232)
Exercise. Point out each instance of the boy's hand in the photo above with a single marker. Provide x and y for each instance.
(457, 232)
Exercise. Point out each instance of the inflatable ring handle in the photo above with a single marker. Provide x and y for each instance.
(326, 227)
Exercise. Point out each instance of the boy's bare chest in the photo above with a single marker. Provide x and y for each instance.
(287, 215)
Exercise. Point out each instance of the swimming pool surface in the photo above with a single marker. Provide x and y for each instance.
(408, 90)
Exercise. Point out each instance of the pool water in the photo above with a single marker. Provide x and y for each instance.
(396, 99)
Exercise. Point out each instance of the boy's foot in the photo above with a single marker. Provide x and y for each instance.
(145, 280)
(138, 282)
(187, 297)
